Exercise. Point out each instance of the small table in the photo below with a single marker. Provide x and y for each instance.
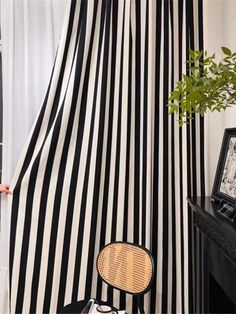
(77, 307)
(217, 263)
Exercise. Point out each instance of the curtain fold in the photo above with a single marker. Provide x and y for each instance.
(105, 161)
(30, 32)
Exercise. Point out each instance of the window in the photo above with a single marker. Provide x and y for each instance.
(1, 108)
(1, 113)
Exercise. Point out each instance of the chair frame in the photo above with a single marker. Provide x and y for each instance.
(138, 295)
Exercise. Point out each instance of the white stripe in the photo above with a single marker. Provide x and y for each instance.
(124, 116)
(150, 130)
(142, 63)
(114, 133)
(130, 234)
(150, 117)
(115, 121)
(185, 208)
(90, 192)
(197, 119)
(103, 169)
(170, 182)
(177, 176)
(160, 185)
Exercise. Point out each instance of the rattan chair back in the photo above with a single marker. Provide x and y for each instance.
(126, 266)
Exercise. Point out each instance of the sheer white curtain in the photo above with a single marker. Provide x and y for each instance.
(30, 33)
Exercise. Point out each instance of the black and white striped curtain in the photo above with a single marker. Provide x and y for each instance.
(105, 162)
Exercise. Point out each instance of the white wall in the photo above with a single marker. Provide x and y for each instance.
(219, 30)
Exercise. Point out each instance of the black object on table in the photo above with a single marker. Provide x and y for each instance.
(214, 258)
(77, 307)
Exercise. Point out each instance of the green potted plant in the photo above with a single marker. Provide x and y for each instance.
(208, 86)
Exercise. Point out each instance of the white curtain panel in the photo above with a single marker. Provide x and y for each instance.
(30, 31)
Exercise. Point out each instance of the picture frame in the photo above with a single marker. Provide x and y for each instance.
(224, 187)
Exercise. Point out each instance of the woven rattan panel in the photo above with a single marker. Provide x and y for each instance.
(125, 267)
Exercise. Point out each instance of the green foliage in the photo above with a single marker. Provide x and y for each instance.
(208, 86)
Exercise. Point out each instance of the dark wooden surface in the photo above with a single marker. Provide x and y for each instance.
(216, 228)
(219, 254)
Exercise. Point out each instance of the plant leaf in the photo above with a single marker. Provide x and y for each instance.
(208, 85)
(226, 51)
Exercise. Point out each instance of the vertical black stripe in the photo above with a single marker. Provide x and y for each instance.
(137, 128)
(202, 133)
(127, 168)
(193, 122)
(189, 173)
(188, 126)
(201, 152)
(189, 168)
(156, 152)
(77, 269)
(128, 152)
(181, 179)
(110, 131)
(145, 106)
(165, 158)
(173, 207)
(99, 153)
(144, 128)
(137, 121)
(118, 139)
(118, 145)
(202, 143)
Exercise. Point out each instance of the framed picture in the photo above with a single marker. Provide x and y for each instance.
(224, 188)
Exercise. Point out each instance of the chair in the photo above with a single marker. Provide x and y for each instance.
(125, 266)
